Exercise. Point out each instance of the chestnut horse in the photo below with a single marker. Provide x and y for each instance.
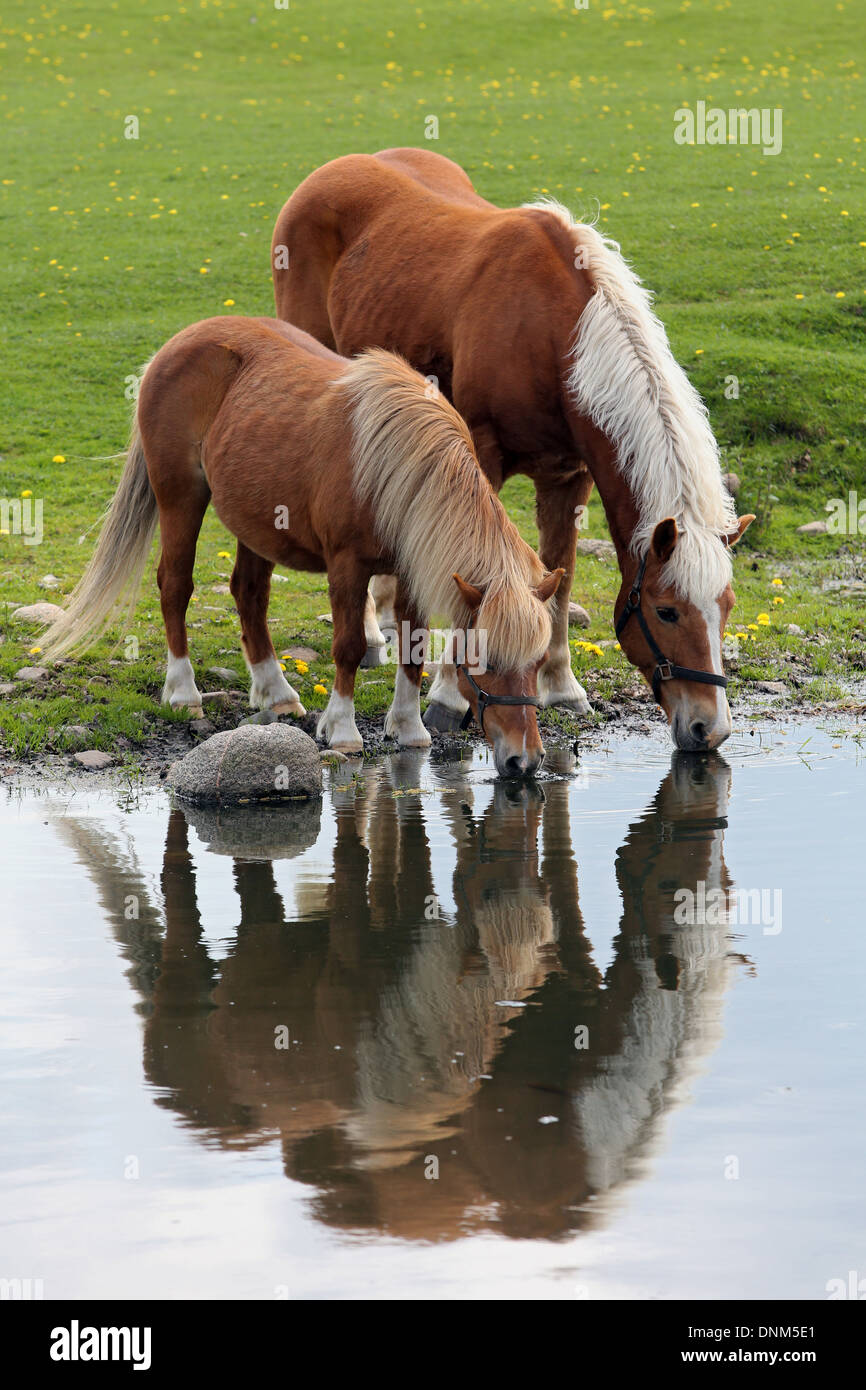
(541, 335)
(322, 464)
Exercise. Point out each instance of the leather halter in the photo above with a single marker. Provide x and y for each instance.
(484, 698)
(665, 670)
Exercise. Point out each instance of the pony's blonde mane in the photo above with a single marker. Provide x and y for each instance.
(624, 376)
(435, 512)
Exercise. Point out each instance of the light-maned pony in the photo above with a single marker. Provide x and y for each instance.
(546, 342)
(320, 464)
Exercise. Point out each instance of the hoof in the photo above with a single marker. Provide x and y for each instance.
(580, 705)
(374, 656)
(440, 719)
(289, 707)
(349, 749)
(191, 711)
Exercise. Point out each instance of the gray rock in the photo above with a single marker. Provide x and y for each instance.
(772, 687)
(218, 700)
(202, 727)
(43, 613)
(264, 716)
(602, 550)
(302, 654)
(813, 528)
(225, 675)
(577, 616)
(220, 589)
(258, 831)
(6, 687)
(49, 581)
(93, 759)
(77, 734)
(794, 631)
(32, 673)
(249, 763)
(324, 618)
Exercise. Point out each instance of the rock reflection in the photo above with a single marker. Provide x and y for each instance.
(423, 1037)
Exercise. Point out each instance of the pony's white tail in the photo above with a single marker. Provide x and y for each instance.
(109, 586)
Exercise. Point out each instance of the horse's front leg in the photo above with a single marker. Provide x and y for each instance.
(347, 585)
(403, 720)
(251, 589)
(558, 509)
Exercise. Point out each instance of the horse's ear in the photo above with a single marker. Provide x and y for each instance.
(664, 539)
(471, 596)
(548, 586)
(743, 525)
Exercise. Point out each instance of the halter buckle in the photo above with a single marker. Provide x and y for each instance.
(665, 670)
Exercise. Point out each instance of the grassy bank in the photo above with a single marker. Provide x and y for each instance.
(112, 244)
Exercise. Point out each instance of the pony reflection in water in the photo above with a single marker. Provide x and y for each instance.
(426, 1038)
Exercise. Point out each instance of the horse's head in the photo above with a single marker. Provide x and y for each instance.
(504, 701)
(676, 643)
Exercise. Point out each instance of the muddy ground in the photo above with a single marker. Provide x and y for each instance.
(146, 764)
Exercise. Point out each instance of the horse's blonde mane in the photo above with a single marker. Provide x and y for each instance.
(435, 512)
(624, 376)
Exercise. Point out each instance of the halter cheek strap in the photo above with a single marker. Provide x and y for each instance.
(484, 698)
(665, 670)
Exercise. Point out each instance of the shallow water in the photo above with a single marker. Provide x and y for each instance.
(236, 1049)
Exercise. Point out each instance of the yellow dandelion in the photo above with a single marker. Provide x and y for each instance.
(59, 458)
(320, 689)
(301, 667)
(777, 582)
(34, 651)
(777, 599)
(223, 555)
(764, 619)
(27, 492)
(753, 627)
(228, 303)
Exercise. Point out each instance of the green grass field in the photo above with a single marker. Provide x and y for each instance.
(112, 244)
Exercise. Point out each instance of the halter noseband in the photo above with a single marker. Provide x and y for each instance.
(484, 698)
(665, 670)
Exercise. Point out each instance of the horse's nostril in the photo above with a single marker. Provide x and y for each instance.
(698, 731)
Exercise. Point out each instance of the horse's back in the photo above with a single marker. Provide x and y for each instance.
(187, 382)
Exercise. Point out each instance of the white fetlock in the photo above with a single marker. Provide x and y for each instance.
(180, 690)
(557, 685)
(372, 631)
(403, 720)
(445, 690)
(337, 725)
(271, 690)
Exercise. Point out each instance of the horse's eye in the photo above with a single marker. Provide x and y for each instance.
(668, 615)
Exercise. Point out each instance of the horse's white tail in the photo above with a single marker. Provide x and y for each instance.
(109, 586)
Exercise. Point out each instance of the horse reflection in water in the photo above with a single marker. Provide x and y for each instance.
(419, 1033)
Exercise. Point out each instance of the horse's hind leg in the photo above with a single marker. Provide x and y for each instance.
(179, 522)
(251, 590)
(559, 505)
(403, 720)
(375, 653)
